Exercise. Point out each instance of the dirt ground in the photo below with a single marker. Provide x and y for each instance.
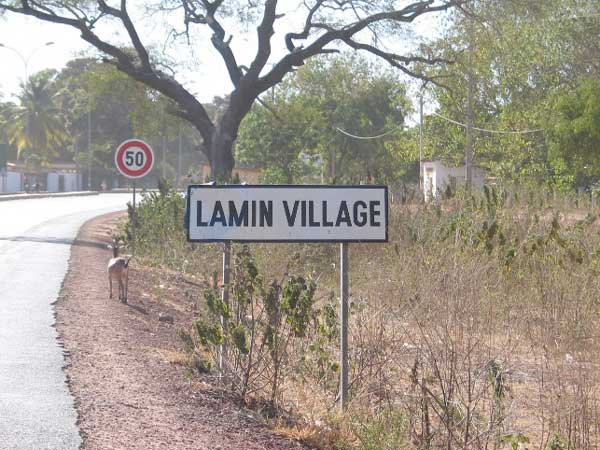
(125, 367)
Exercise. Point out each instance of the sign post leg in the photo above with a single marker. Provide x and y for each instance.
(225, 299)
(344, 325)
(133, 223)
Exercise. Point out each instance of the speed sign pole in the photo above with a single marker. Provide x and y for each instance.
(134, 159)
(134, 221)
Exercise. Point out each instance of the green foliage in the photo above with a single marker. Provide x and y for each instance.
(574, 131)
(35, 127)
(240, 339)
(261, 325)
(209, 334)
(557, 443)
(526, 58)
(215, 305)
(296, 136)
(158, 225)
(514, 440)
(387, 430)
(297, 303)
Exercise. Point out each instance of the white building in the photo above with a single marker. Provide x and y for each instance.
(63, 178)
(437, 177)
(58, 177)
(10, 181)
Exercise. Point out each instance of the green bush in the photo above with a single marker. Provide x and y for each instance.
(261, 326)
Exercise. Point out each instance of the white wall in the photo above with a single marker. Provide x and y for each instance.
(52, 182)
(437, 177)
(429, 180)
(13, 182)
(71, 182)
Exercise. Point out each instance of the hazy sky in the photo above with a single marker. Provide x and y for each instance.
(206, 76)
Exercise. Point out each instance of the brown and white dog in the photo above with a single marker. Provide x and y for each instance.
(118, 268)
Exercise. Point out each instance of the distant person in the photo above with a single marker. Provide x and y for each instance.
(103, 185)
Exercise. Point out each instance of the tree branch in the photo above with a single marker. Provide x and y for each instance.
(265, 32)
(289, 38)
(401, 62)
(135, 39)
(125, 63)
(298, 55)
(218, 37)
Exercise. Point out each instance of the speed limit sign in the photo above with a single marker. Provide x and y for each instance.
(134, 158)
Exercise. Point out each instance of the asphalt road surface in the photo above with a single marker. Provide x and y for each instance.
(36, 409)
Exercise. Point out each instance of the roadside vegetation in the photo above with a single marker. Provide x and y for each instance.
(474, 327)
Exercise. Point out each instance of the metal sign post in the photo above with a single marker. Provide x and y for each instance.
(134, 159)
(262, 213)
(225, 299)
(133, 222)
(343, 325)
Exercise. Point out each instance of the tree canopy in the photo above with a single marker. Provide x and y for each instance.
(324, 27)
(35, 127)
(301, 127)
(523, 57)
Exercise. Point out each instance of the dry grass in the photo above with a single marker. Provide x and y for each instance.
(476, 326)
(171, 356)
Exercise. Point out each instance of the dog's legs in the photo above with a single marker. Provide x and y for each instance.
(122, 296)
(126, 284)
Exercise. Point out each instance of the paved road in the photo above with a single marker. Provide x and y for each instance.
(36, 408)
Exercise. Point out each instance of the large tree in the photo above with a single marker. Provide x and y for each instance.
(314, 112)
(326, 25)
(35, 127)
(523, 55)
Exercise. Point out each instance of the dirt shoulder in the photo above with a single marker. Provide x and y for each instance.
(124, 366)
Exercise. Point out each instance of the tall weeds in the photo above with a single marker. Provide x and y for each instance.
(474, 327)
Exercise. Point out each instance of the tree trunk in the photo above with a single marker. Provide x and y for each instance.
(221, 156)
(221, 149)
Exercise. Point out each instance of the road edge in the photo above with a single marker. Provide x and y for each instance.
(10, 197)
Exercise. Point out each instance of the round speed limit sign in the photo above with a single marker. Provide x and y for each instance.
(134, 158)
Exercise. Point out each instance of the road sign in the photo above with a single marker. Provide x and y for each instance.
(134, 158)
(287, 213)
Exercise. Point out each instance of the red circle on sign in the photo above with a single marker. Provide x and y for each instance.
(125, 162)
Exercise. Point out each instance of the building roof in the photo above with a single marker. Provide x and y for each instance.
(19, 166)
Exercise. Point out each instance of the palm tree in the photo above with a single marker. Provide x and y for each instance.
(36, 126)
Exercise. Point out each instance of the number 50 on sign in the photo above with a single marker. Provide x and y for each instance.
(134, 158)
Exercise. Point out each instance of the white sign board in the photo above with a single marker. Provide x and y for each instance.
(287, 213)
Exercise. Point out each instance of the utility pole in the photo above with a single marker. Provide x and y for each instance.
(469, 149)
(77, 168)
(89, 117)
(421, 143)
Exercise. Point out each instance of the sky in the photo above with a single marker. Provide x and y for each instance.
(199, 68)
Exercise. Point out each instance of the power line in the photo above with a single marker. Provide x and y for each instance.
(455, 122)
(379, 136)
(486, 130)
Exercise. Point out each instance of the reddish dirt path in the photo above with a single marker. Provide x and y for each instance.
(120, 364)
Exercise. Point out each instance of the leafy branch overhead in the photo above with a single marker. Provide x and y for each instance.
(327, 26)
